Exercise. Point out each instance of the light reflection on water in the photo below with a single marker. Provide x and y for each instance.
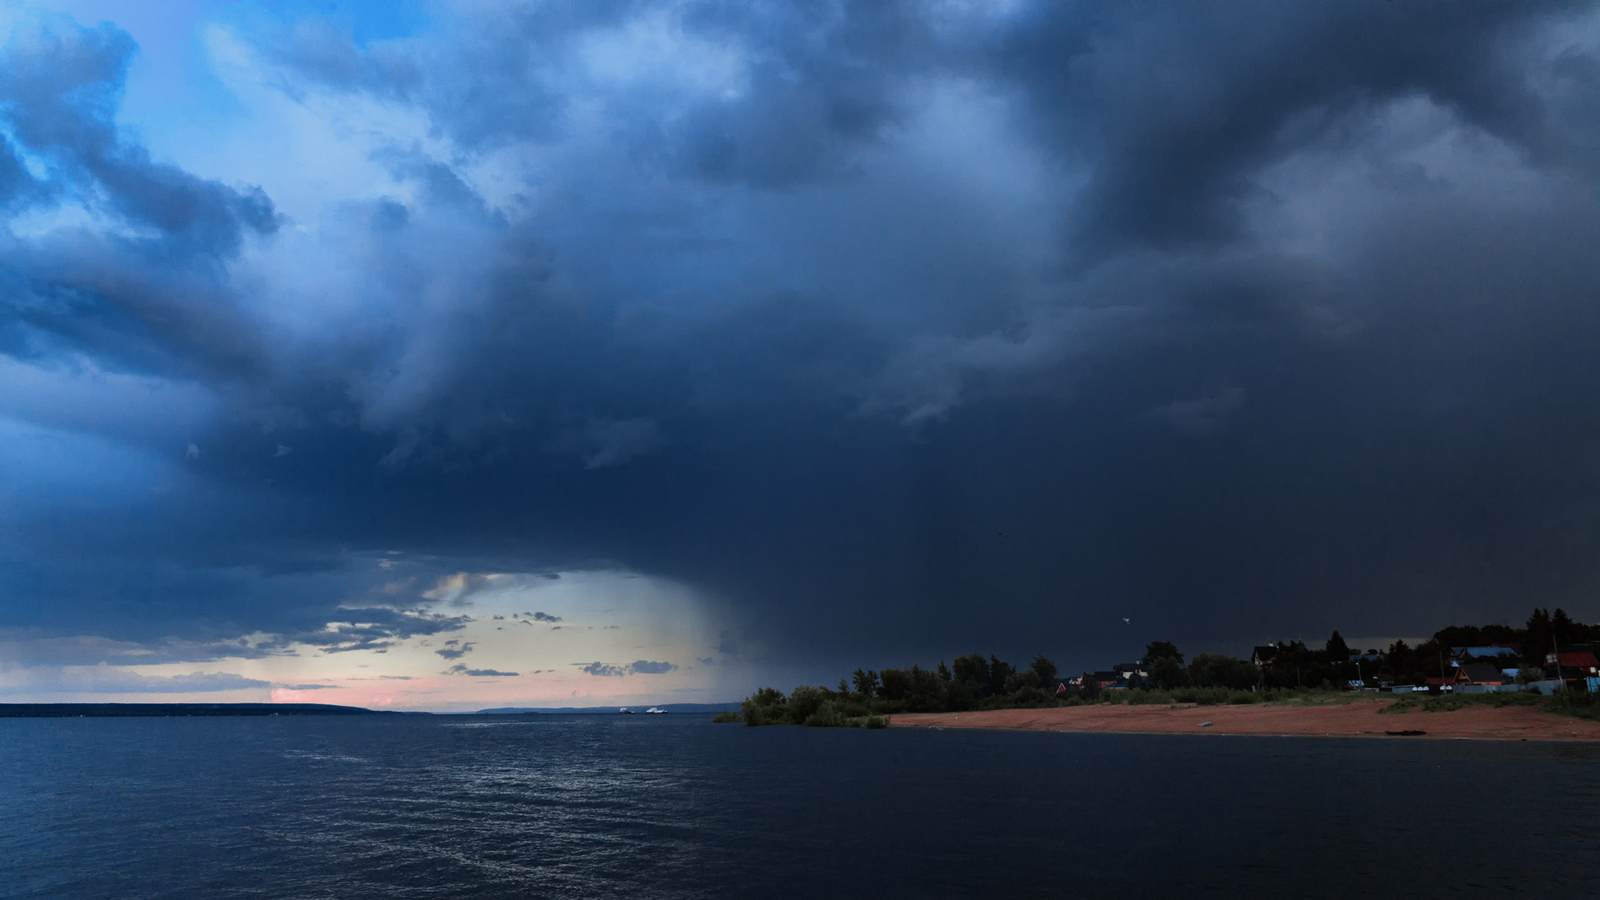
(673, 806)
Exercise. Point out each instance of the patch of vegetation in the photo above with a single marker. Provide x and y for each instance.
(1211, 696)
(1453, 702)
(1573, 703)
(731, 715)
(1403, 705)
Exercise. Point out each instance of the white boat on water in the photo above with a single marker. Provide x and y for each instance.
(655, 711)
(625, 711)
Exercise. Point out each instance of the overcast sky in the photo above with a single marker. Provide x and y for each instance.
(456, 354)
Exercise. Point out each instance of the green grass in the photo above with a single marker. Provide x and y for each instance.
(1570, 703)
(1216, 696)
(1452, 702)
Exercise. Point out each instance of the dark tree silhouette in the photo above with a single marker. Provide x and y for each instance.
(1161, 650)
(1337, 650)
(1045, 669)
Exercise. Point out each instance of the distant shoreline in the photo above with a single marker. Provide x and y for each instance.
(1356, 718)
(186, 710)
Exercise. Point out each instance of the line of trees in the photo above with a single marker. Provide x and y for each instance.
(1296, 666)
(976, 682)
(970, 682)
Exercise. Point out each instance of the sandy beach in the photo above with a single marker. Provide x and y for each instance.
(1357, 718)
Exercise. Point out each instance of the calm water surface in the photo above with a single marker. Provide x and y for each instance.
(673, 806)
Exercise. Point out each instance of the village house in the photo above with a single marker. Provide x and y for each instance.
(1575, 664)
(1479, 673)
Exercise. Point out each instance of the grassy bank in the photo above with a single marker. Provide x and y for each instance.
(819, 707)
(1564, 703)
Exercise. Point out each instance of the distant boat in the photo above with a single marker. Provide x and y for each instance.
(655, 711)
(625, 711)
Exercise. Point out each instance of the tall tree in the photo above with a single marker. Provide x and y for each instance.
(1167, 673)
(1562, 628)
(1537, 643)
(1337, 650)
(1045, 669)
(999, 671)
(1161, 650)
(973, 671)
(866, 682)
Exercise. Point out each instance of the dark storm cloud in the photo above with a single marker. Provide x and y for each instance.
(1176, 107)
(972, 329)
(61, 92)
(144, 292)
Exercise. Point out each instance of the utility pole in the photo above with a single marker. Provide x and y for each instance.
(1561, 683)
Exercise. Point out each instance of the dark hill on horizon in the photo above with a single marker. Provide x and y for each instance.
(669, 707)
(146, 710)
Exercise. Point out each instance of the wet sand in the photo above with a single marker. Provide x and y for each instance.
(1357, 718)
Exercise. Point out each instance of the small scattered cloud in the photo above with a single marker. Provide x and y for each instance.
(455, 589)
(707, 660)
(461, 669)
(282, 451)
(192, 451)
(545, 617)
(637, 667)
(455, 652)
(310, 687)
(374, 629)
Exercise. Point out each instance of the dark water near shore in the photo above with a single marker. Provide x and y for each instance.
(673, 806)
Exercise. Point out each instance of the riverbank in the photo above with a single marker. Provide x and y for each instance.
(1355, 718)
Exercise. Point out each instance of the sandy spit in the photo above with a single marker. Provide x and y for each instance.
(1358, 718)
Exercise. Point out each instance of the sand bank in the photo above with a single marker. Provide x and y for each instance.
(1357, 718)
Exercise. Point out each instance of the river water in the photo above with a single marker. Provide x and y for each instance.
(586, 806)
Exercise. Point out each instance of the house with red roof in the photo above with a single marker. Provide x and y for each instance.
(1578, 664)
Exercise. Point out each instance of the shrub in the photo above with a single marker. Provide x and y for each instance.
(804, 701)
(877, 722)
(767, 706)
(1573, 703)
(826, 716)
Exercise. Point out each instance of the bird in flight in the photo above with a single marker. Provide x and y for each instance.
(1125, 619)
